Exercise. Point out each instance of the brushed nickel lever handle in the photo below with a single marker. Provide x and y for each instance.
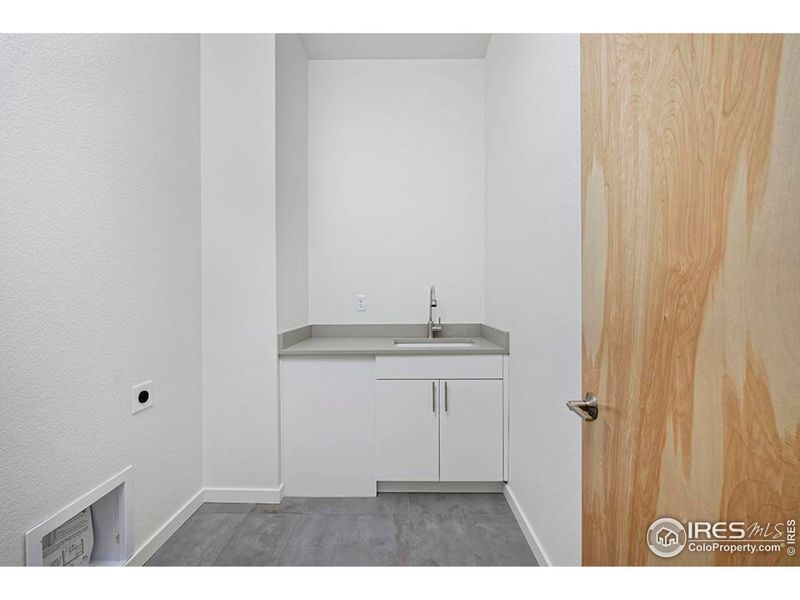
(586, 409)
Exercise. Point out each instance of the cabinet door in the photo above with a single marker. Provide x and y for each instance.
(471, 430)
(407, 430)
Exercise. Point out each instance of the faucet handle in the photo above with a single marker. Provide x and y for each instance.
(438, 326)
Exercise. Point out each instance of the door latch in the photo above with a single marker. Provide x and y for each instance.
(586, 409)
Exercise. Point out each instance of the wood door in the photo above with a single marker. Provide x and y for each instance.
(690, 150)
(471, 430)
(407, 430)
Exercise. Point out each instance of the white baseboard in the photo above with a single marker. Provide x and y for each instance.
(143, 554)
(245, 495)
(527, 530)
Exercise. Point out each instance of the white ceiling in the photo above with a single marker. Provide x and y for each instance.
(394, 45)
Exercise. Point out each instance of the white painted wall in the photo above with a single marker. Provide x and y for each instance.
(396, 189)
(291, 121)
(240, 402)
(533, 270)
(100, 272)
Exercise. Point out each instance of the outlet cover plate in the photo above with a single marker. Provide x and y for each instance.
(146, 387)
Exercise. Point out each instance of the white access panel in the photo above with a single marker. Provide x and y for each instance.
(112, 520)
(471, 430)
(328, 425)
(407, 430)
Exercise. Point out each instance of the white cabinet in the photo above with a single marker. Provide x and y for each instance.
(407, 427)
(471, 430)
(443, 366)
(349, 422)
(439, 430)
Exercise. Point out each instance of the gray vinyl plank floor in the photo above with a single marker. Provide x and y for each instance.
(392, 529)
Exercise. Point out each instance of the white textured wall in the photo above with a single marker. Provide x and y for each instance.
(240, 401)
(396, 189)
(99, 272)
(291, 121)
(533, 270)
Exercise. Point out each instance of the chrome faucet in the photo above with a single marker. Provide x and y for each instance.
(433, 328)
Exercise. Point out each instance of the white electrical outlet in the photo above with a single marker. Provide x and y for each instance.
(361, 303)
(142, 396)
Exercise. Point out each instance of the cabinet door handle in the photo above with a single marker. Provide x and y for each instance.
(445, 396)
(433, 396)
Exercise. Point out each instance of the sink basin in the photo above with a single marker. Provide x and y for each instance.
(434, 343)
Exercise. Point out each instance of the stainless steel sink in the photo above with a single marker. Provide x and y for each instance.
(433, 343)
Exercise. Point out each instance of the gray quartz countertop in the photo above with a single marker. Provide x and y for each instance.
(323, 340)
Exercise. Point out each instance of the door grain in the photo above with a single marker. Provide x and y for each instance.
(690, 150)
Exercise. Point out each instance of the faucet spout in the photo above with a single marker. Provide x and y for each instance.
(433, 328)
